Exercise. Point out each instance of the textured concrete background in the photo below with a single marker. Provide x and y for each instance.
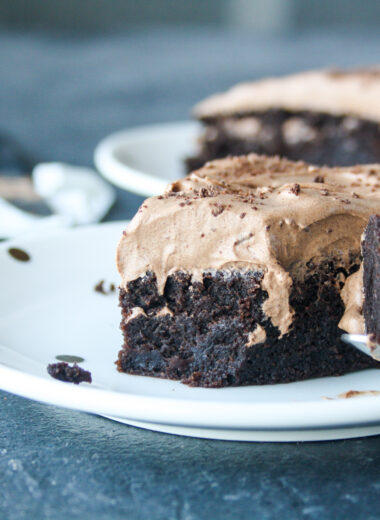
(58, 97)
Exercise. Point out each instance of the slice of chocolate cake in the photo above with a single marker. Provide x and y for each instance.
(324, 117)
(361, 293)
(234, 275)
(371, 278)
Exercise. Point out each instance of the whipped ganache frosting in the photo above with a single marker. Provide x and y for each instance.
(338, 92)
(353, 298)
(252, 213)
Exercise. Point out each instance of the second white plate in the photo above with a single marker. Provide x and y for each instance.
(145, 159)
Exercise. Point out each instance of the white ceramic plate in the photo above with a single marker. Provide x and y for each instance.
(48, 307)
(145, 159)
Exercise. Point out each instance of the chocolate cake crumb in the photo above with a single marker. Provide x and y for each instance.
(99, 287)
(69, 374)
(319, 179)
(324, 193)
(242, 215)
(296, 189)
(355, 195)
(19, 254)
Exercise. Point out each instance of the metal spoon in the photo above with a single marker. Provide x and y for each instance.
(360, 341)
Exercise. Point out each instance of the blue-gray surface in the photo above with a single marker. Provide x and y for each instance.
(58, 97)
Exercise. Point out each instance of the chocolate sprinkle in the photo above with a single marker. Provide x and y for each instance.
(176, 187)
(19, 254)
(219, 208)
(99, 287)
(69, 359)
(296, 188)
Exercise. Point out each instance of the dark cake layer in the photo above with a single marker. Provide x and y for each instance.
(318, 138)
(371, 277)
(199, 332)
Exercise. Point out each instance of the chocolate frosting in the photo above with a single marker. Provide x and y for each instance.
(338, 92)
(353, 296)
(252, 212)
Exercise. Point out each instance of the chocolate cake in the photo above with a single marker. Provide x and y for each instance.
(361, 294)
(324, 117)
(234, 275)
(371, 277)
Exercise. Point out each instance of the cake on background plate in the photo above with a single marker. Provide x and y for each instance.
(327, 117)
(234, 276)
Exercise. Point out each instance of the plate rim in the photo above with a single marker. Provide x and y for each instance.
(124, 176)
(91, 399)
(176, 410)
